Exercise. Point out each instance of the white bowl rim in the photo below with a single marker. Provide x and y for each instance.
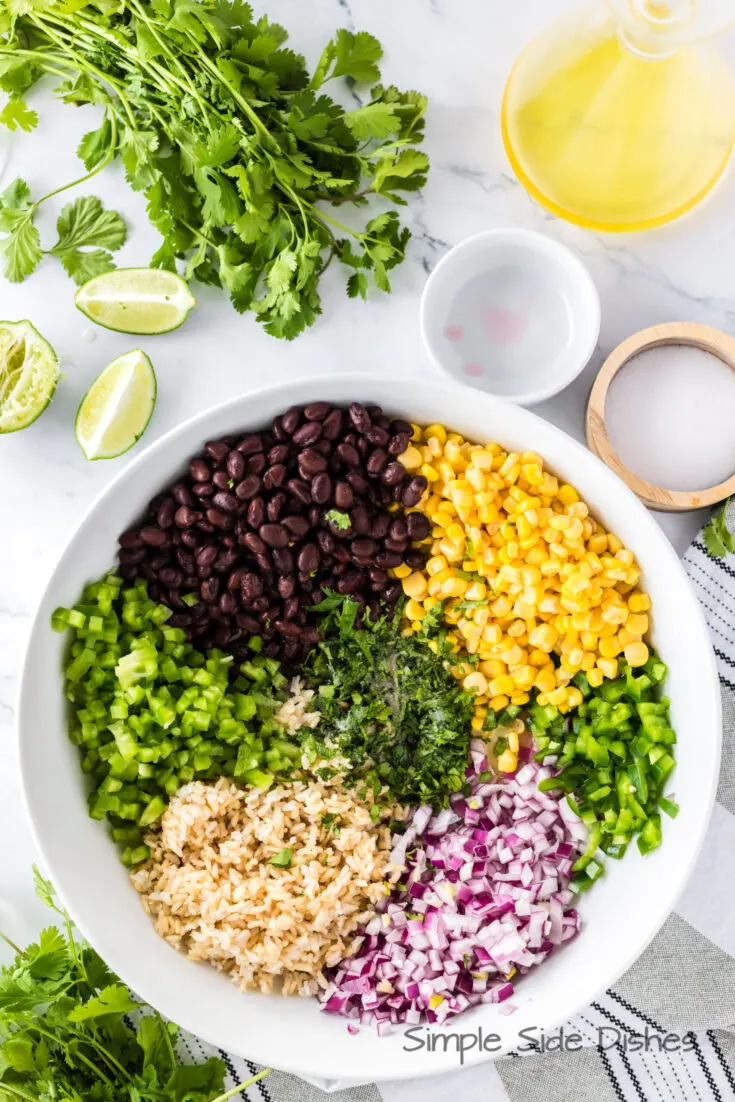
(540, 243)
(117, 958)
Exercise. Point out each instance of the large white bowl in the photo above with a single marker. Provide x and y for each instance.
(620, 916)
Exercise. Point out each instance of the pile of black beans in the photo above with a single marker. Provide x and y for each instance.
(264, 524)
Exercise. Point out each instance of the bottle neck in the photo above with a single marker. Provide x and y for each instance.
(654, 29)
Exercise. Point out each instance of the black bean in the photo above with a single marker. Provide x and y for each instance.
(316, 411)
(418, 526)
(290, 420)
(248, 488)
(364, 548)
(380, 526)
(414, 491)
(256, 512)
(378, 578)
(206, 555)
(363, 446)
(286, 586)
(288, 628)
(298, 526)
(399, 529)
(377, 435)
(311, 463)
(199, 470)
(348, 454)
(180, 620)
(278, 453)
(165, 514)
(415, 560)
(325, 540)
(343, 495)
(396, 545)
(274, 535)
(321, 488)
(264, 564)
(205, 526)
(254, 543)
(260, 605)
(129, 556)
(128, 571)
(225, 560)
(275, 506)
(130, 538)
(393, 592)
(251, 587)
(203, 490)
(278, 430)
(341, 553)
(221, 480)
(227, 604)
(291, 608)
(360, 520)
(186, 560)
(397, 425)
(152, 536)
(171, 577)
(217, 450)
(388, 560)
(190, 538)
(225, 502)
(182, 494)
(256, 464)
(249, 445)
(394, 474)
(359, 416)
(283, 560)
(309, 558)
(299, 489)
(333, 423)
(324, 447)
(349, 582)
(274, 476)
(234, 581)
(236, 464)
(308, 434)
(376, 462)
(358, 483)
(209, 590)
(247, 623)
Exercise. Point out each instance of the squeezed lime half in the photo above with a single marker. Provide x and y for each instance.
(29, 372)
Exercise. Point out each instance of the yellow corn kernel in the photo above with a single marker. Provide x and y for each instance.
(456, 533)
(411, 458)
(595, 678)
(545, 681)
(588, 639)
(429, 473)
(637, 623)
(514, 656)
(567, 494)
(476, 592)
(401, 571)
(436, 430)
(614, 613)
(477, 723)
(639, 602)
(508, 761)
(514, 744)
(502, 685)
(415, 585)
(450, 551)
(435, 564)
(475, 682)
(558, 696)
(497, 703)
(543, 637)
(610, 648)
(492, 667)
(608, 666)
(588, 662)
(524, 677)
(414, 610)
(574, 697)
(481, 460)
(492, 634)
(454, 587)
(636, 654)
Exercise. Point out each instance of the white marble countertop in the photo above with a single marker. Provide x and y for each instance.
(459, 53)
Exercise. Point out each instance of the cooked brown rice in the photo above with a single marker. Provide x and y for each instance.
(213, 894)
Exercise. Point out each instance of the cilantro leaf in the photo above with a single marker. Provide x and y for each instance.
(95, 144)
(85, 222)
(357, 56)
(373, 120)
(338, 519)
(21, 250)
(357, 284)
(282, 860)
(718, 537)
(111, 1000)
(16, 114)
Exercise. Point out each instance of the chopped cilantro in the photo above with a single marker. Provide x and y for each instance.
(339, 520)
(282, 860)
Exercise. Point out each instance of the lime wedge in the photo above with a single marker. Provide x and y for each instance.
(29, 372)
(116, 409)
(136, 300)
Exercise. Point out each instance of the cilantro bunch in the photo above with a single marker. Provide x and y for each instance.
(719, 538)
(241, 154)
(66, 1034)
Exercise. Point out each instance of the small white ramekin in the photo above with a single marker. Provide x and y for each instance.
(547, 259)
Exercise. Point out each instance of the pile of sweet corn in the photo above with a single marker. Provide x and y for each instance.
(525, 573)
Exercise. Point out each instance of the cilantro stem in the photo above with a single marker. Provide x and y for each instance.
(93, 172)
(17, 1092)
(174, 59)
(243, 103)
(12, 945)
(169, 1046)
(243, 1086)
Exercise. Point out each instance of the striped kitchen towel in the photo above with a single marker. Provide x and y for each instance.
(666, 1031)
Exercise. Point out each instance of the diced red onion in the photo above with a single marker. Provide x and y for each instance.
(489, 879)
